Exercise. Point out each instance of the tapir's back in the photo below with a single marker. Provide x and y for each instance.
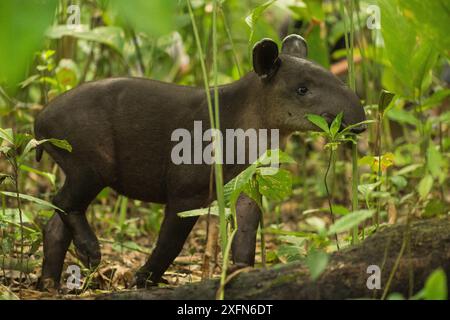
(121, 129)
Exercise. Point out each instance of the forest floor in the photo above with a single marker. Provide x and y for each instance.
(116, 271)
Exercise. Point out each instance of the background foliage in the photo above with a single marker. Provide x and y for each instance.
(403, 160)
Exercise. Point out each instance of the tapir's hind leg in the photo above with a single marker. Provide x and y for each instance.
(79, 189)
(57, 238)
(172, 236)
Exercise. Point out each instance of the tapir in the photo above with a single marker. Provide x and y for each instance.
(120, 132)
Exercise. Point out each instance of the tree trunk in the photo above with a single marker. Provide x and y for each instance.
(426, 247)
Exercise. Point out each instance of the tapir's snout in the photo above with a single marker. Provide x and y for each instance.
(354, 114)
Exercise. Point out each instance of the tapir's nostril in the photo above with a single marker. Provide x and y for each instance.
(359, 129)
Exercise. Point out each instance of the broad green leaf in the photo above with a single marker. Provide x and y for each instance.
(339, 210)
(319, 122)
(317, 262)
(402, 116)
(435, 286)
(425, 185)
(276, 186)
(111, 36)
(62, 144)
(251, 190)
(349, 221)
(411, 55)
(430, 19)
(22, 28)
(233, 188)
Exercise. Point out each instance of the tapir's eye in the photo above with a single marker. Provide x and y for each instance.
(302, 91)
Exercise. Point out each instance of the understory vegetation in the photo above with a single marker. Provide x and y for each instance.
(333, 190)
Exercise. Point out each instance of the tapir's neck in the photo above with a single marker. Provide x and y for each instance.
(241, 103)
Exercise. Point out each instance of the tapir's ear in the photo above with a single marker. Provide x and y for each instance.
(295, 45)
(265, 58)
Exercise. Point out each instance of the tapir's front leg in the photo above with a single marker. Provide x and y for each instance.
(248, 215)
(172, 236)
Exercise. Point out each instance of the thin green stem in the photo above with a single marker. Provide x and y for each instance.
(218, 144)
(349, 45)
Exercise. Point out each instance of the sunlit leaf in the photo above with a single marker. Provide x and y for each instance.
(349, 221)
(317, 262)
(425, 185)
(319, 122)
(31, 199)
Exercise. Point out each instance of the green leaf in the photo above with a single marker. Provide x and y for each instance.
(349, 221)
(425, 185)
(233, 188)
(49, 176)
(395, 296)
(434, 160)
(336, 124)
(110, 36)
(274, 157)
(7, 135)
(430, 19)
(410, 53)
(317, 262)
(256, 13)
(214, 210)
(274, 186)
(435, 286)
(348, 128)
(22, 28)
(62, 144)
(31, 198)
(402, 116)
(319, 122)
(385, 100)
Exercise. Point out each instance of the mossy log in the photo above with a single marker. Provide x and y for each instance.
(427, 247)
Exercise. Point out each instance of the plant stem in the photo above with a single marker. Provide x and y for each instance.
(218, 144)
(330, 194)
(349, 44)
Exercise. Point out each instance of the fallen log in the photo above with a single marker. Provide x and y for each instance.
(423, 247)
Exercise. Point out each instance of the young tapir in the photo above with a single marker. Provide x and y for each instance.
(120, 131)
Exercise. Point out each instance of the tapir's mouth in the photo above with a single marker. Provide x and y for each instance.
(329, 117)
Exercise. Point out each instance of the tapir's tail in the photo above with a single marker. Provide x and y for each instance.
(39, 152)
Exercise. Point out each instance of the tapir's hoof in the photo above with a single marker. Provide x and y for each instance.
(88, 251)
(84, 239)
(143, 280)
(47, 285)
